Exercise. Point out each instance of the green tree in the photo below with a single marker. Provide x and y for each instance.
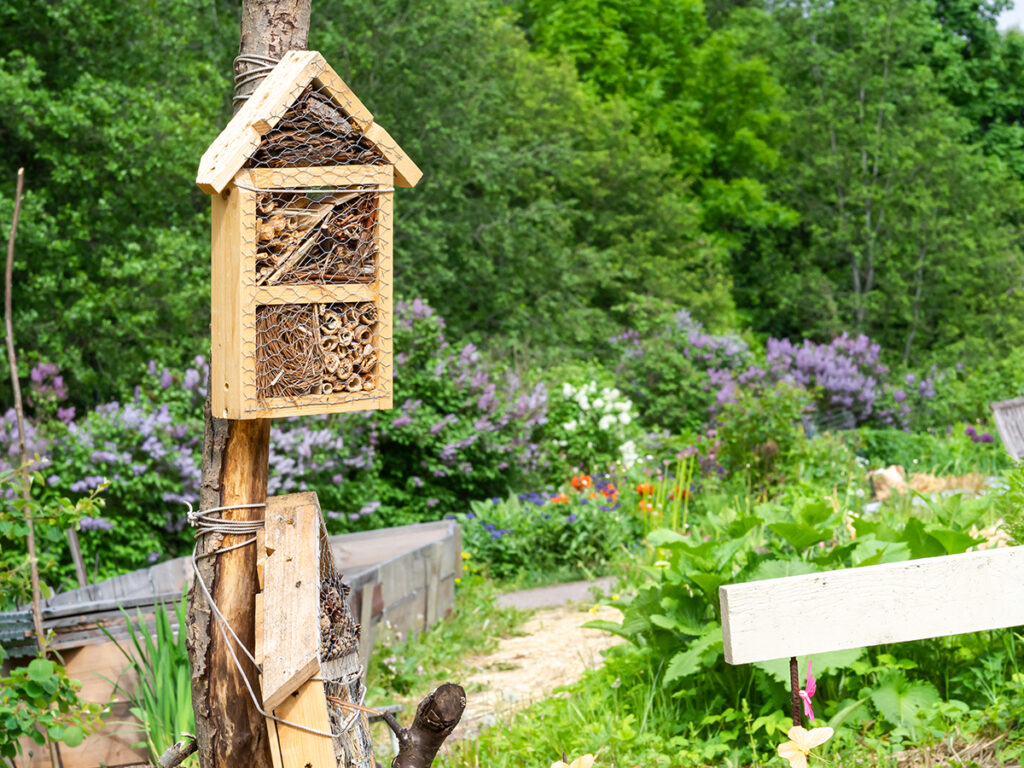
(542, 206)
(909, 232)
(108, 104)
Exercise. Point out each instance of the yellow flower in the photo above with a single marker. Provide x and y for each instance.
(458, 581)
(594, 609)
(465, 567)
(615, 597)
(465, 555)
(801, 742)
(587, 761)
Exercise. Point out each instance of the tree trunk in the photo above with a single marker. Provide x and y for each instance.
(271, 28)
(230, 731)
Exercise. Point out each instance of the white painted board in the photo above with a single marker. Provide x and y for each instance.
(857, 607)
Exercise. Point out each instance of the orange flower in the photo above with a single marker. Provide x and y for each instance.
(645, 489)
(581, 482)
(560, 498)
(645, 506)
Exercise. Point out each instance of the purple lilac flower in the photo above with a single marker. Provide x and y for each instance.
(369, 508)
(434, 502)
(96, 524)
(572, 518)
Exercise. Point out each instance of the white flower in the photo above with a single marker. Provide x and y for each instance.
(599, 404)
(629, 454)
(623, 405)
(582, 401)
(624, 418)
(570, 426)
(606, 421)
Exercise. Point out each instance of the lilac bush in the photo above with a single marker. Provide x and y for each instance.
(684, 375)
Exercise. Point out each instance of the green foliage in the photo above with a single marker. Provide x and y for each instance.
(532, 538)
(39, 701)
(162, 695)
(50, 517)
(953, 453)
(761, 433)
(109, 111)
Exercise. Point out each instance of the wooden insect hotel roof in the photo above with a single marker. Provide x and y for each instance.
(264, 110)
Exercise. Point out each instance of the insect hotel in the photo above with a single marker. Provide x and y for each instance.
(302, 183)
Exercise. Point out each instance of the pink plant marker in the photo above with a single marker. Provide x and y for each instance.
(806, 693)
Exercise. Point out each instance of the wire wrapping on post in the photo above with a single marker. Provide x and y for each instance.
(205, 523)
(258, 67)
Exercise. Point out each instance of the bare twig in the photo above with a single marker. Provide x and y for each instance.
(436, 717)
(176, 753)
(19, 411)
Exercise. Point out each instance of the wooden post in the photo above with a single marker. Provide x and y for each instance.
(230, 731)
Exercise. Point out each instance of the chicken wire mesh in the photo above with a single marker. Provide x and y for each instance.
(317, 253)
(339, 664)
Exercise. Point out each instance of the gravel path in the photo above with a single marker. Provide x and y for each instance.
(554, 650)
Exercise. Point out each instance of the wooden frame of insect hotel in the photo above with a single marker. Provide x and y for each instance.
(302, 183)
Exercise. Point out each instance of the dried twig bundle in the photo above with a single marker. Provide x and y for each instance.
(331, 239)
(314, 132)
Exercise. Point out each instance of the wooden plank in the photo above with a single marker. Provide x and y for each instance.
(366, 626)
(433, 564)
(291, 600)
(407, 174)
(385, 289)
(313, 294)
(261, 112)
(856, 607)
(298, 748)
(308, 405)
(257, 650)
(227, 301)
(344, 97)
(320, 176)
(1009, 418)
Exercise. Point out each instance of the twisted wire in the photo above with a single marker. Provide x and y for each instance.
(205, 523)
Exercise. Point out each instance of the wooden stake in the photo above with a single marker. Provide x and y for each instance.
(230, 731)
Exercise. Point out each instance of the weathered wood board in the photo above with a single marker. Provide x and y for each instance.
(857, 607)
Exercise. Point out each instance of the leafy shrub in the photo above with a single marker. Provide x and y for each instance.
(666, 369)
(761, 433)
(673, 625)
(591, 427)
(541, 536)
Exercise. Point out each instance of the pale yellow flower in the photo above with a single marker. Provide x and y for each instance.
(801, 743)
(587, 761)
